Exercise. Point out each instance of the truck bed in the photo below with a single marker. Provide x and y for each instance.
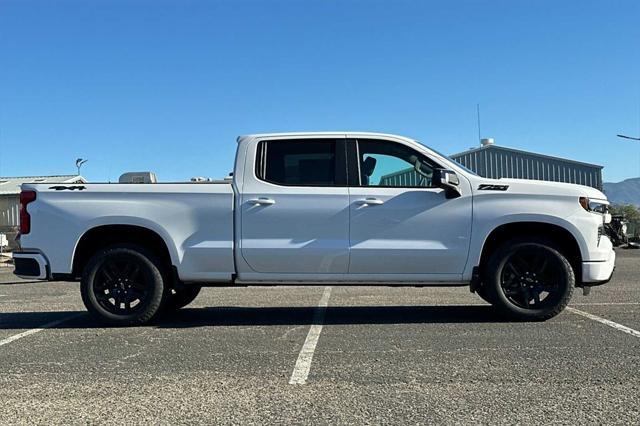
(195, 220)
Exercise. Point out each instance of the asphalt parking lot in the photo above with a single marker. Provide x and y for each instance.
(373, 355)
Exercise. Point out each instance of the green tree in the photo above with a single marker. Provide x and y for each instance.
(630, 212)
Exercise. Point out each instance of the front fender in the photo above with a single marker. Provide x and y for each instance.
(483, 230)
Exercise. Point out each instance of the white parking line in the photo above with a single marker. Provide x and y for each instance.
(36, 330)
(604, 321)
(303, 364)
(606, 304)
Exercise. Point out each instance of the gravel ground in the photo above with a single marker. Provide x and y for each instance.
(384, 355)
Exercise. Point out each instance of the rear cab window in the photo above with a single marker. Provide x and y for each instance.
(302, 162)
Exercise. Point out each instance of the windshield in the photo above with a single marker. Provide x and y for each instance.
(463, 167)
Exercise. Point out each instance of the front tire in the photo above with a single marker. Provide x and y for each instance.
(529, 280)
(123, 285)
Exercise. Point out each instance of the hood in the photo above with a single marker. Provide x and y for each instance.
(526, 186)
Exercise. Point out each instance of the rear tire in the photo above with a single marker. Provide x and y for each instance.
(528, 279)
(180, 298)
(123, 285)
(482, 292)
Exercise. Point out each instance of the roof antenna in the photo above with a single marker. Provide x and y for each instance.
(478, 110)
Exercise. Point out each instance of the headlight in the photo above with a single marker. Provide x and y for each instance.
(594, 206)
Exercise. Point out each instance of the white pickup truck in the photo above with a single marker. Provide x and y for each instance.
(318, 209)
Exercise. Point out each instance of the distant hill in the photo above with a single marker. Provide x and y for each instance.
(625, 192)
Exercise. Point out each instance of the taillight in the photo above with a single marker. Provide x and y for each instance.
(26, 197)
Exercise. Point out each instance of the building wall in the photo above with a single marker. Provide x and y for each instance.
(498, 163)
(407, 177)
(9, 211)
(10, 218)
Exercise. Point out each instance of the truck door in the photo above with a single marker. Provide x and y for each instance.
(401, 224)
(295, 207)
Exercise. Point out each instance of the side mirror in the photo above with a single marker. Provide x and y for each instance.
(421, 169)
(447, 180)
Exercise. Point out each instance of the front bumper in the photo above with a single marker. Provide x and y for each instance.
(596, 273)
(31, 266)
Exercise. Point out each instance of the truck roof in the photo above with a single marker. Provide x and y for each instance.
(307, 134)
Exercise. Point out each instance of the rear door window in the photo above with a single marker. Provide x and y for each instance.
(304, 162)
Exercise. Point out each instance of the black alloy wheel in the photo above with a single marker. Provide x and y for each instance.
(531, 278)
(120, 286)
(123, 285)
(528, 279)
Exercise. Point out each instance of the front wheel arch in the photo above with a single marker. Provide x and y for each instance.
(560, 238)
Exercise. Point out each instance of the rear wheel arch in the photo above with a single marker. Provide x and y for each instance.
(101, 237)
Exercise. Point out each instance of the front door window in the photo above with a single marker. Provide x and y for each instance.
(389, 164)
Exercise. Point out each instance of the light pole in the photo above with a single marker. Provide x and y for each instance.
(629, 137)
(79, 163)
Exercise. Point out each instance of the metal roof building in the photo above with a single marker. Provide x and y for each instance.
(406, 177)
(494, 161)
(10, 198)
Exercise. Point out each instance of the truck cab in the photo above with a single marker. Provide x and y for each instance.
(333, 206)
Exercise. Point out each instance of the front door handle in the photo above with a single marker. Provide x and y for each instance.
(262, 201)
(370, 202)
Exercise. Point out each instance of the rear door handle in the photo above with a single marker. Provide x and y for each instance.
(370, 202)
(262, 201)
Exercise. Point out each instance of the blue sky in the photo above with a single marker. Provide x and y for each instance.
(167, 86)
